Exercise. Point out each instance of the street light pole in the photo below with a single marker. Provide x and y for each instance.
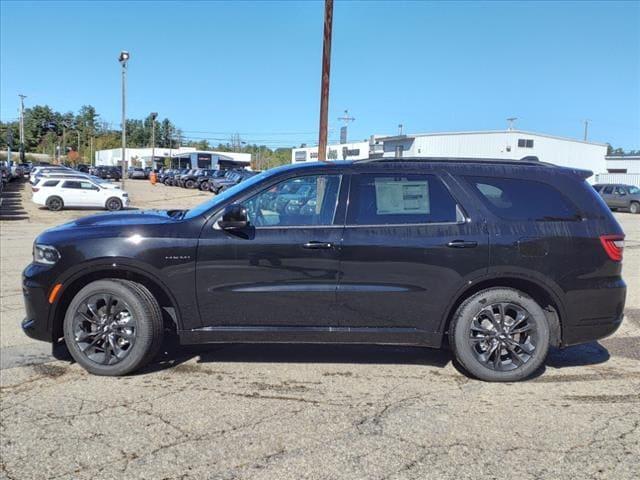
(124, 57)
(154, 115)
(22, 97)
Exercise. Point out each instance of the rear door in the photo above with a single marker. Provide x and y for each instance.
(408, 247)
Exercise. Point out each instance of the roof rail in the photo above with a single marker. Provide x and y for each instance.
(528, 160)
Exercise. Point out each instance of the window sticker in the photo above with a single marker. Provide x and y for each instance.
(401, 197)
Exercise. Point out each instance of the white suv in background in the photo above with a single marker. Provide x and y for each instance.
(57, 193)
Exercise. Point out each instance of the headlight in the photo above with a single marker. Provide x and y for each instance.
(45, 254)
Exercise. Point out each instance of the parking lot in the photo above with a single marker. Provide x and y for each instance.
(318, 412)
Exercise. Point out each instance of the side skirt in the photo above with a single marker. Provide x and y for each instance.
(272, 334)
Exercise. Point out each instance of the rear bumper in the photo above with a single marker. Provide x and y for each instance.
(594, 313)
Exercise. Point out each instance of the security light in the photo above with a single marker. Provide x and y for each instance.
(124, 56)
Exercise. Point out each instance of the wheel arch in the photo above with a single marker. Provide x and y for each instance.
(168, 304)
(544, 296)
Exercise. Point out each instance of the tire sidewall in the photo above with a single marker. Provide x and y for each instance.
(55, 198)
(144, 331)
(462, 322)
(637, 207)
(110, 200)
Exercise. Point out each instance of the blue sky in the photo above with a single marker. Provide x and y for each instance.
(254, 67)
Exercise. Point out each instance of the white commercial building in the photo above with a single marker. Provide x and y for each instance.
(344, 151)
(507, 144)
(136, 156)
(621, 169)
(183, 157)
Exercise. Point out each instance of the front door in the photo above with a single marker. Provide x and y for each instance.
(282, 270)
(407, 249)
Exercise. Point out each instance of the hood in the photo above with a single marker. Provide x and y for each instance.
(126, 218)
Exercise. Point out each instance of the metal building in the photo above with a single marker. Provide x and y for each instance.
(513, 144)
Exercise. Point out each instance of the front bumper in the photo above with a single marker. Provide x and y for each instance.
(35, 291)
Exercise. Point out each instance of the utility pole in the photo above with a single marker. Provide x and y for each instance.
(78, 132)
(346, 118)
(586, 129)
(91, 160)
(154, 115)
(22, 97)
(400, 127)
(324, 85)
(511, 121)
(123, 59)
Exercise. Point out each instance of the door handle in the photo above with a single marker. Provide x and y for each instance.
(462, 244)
(318, 245)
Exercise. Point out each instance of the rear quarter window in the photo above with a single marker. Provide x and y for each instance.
(520, 199)
(51, 183)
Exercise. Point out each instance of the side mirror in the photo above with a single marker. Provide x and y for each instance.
(234, 218)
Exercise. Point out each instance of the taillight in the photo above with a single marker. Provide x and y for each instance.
(35, 189)
(613, 245)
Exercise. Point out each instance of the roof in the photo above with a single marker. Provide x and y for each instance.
(485, 132)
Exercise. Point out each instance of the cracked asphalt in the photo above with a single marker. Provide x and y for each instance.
(316, 412)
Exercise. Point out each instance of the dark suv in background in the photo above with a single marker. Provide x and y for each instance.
(618, 196)
(497, 259)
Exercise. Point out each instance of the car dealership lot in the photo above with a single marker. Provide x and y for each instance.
(242, 411)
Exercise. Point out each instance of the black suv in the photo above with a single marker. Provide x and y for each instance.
(498, 259)
(108, 173)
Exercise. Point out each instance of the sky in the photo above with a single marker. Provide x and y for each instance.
(216, 68)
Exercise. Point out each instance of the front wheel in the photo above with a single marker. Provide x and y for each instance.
(113, 204)
(635, 207)
(189, 184)
(500, 335)
(204, 186)
(113, 327)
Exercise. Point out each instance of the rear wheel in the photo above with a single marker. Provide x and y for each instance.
(113, 327)
(500, 335)
(55, 204)
(634, 207)
(113, 204)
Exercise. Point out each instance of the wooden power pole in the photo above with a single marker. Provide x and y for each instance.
(324, 88)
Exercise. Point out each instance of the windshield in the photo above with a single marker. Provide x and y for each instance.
(222, 197)
(634, 190)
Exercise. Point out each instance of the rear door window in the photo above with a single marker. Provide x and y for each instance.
(71, 184)
(395, 199)
(519, 199)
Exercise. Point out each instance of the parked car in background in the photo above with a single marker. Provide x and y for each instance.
(179, 180)
(190, 179)
(174, 177)
(108, 172)
(619, 196)
(83, 167)
(231, 178)
(75, 175)
(26, 168)
(58, 193)
(427, 252)
(203, 181)
(137, 173)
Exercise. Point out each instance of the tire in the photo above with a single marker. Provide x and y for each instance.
(113, 204)
(204, 186)
(144, 323)
(508, 363)
(634, 207)
(166, 182)
(55, 204)
(189, 184)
